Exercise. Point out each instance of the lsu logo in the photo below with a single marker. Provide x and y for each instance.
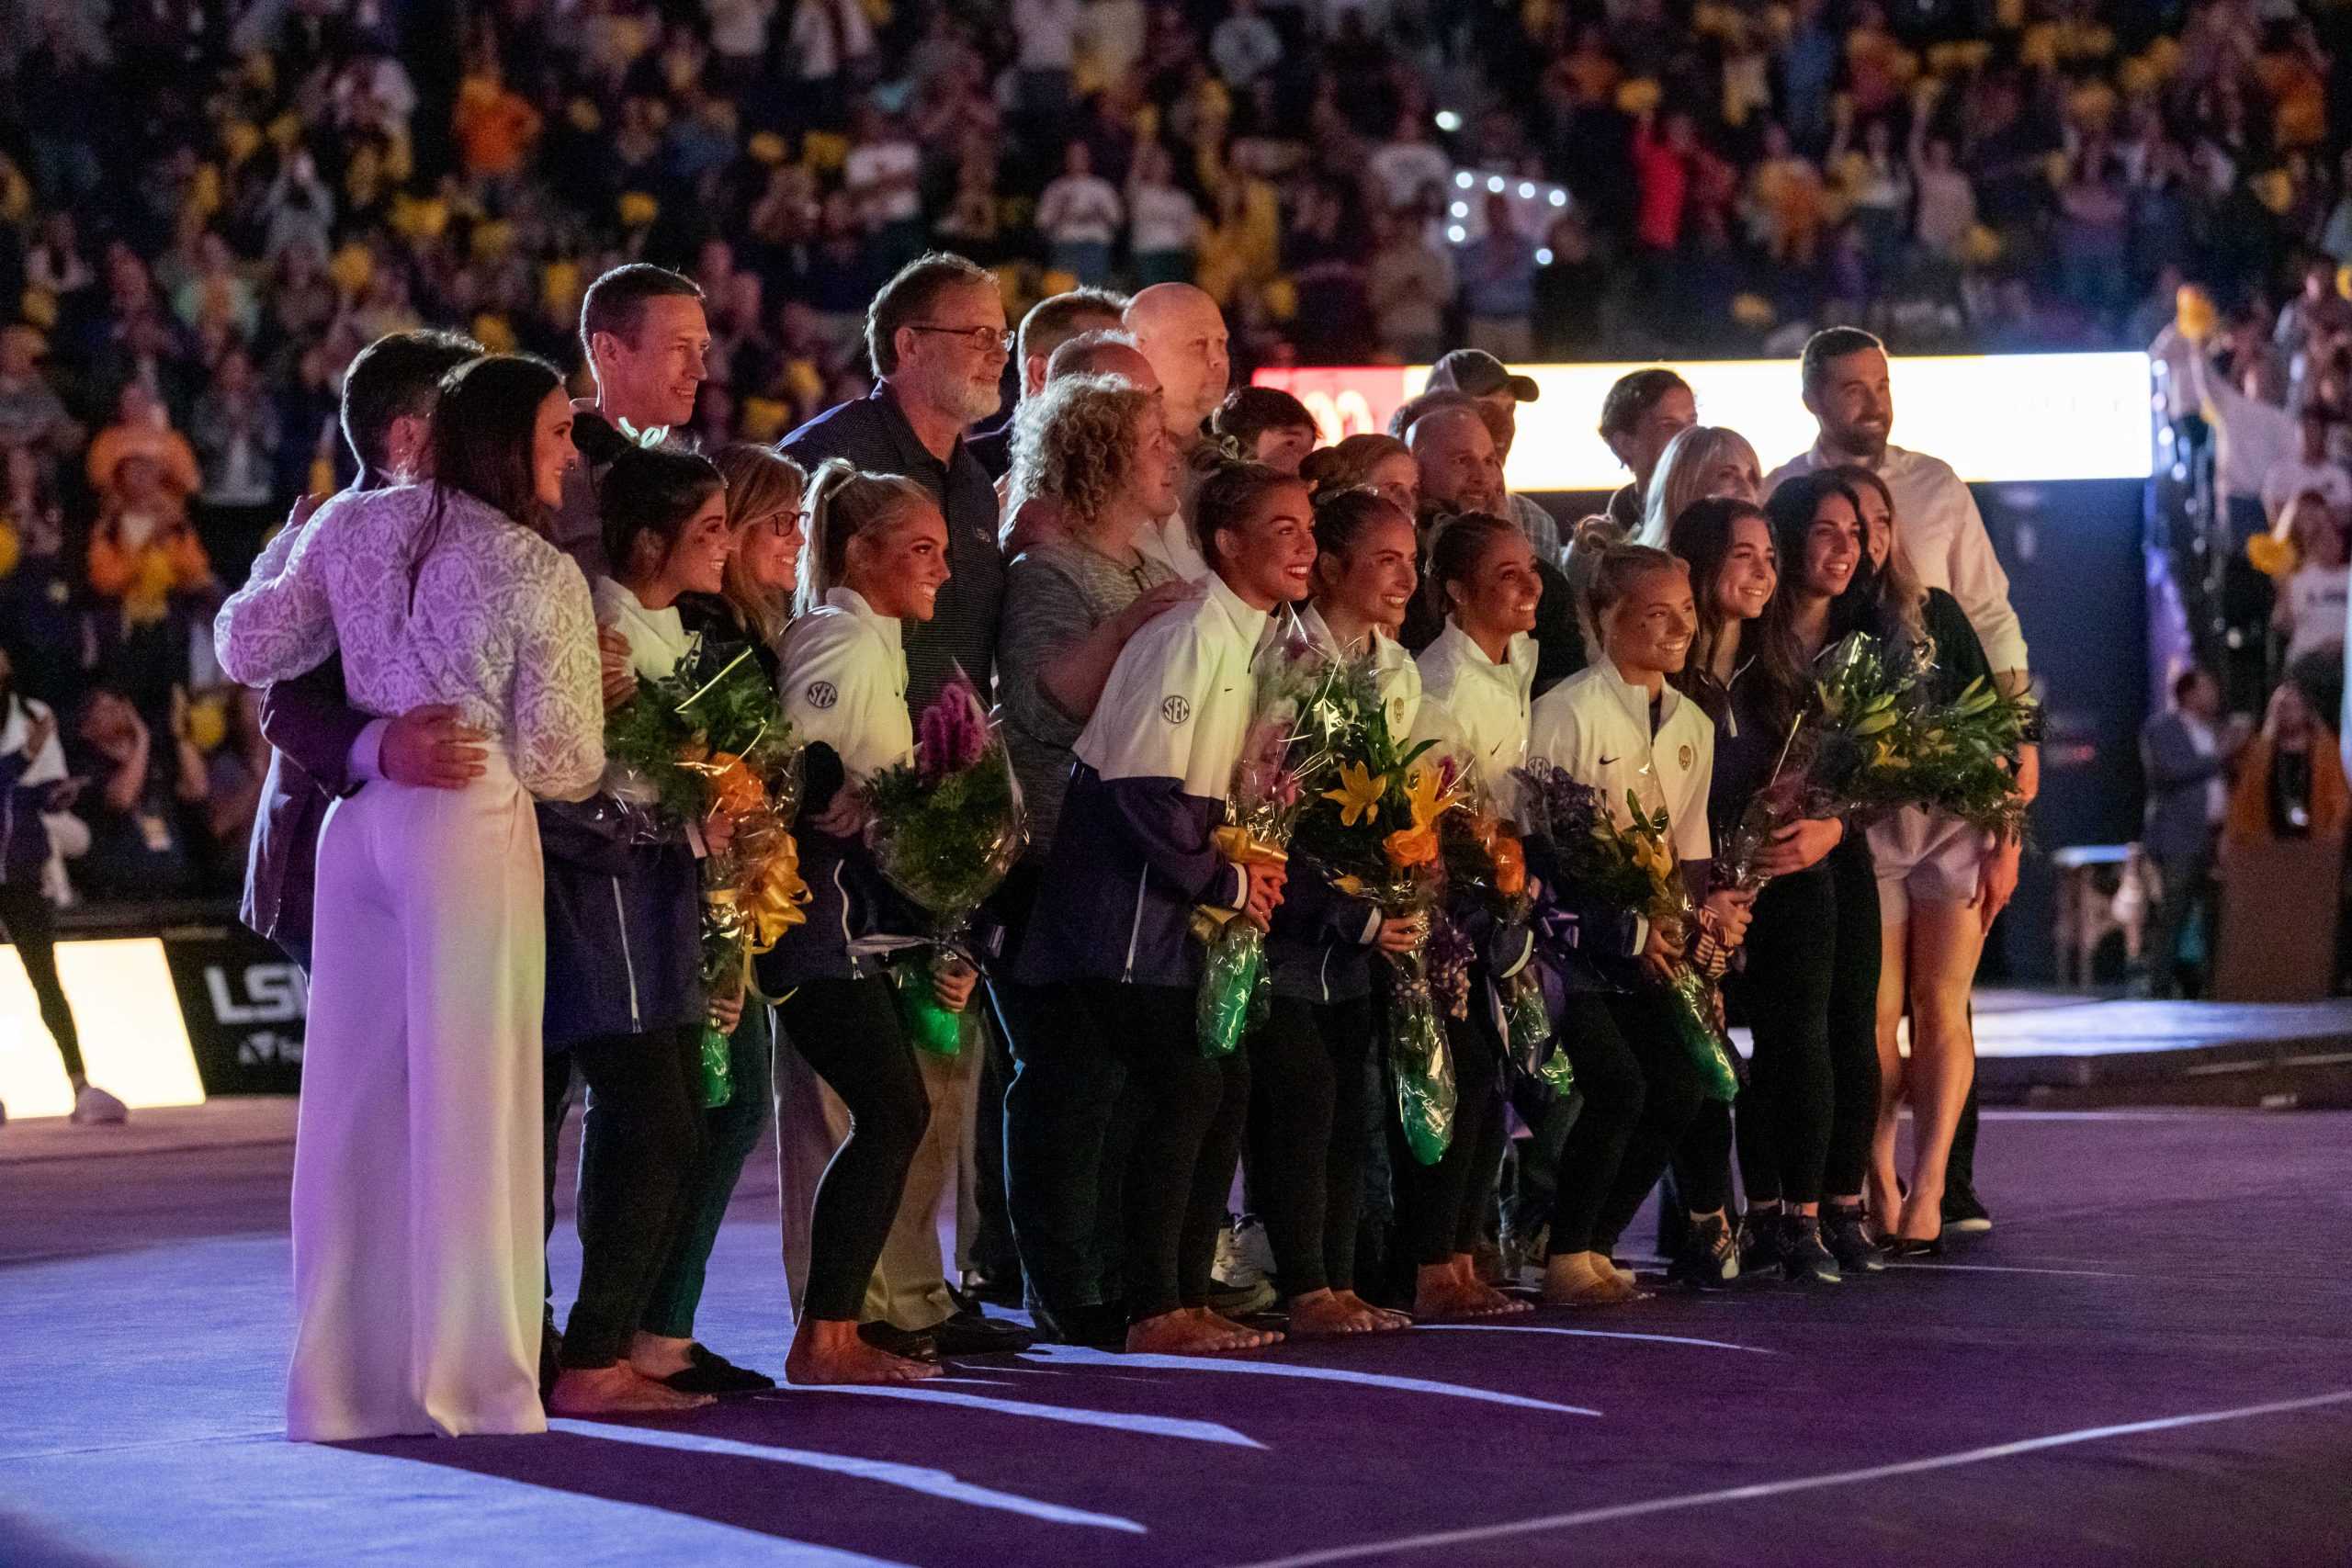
(821, 694)
(1175, 710)
(1688, 757)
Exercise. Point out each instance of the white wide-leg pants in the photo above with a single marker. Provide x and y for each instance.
(417, 1245)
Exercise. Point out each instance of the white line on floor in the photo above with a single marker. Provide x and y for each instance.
(926, 1479)
(1590, 1334)
(1145, 1426)
(1440, 1538)
(2010, 1269)
(1073, 1354)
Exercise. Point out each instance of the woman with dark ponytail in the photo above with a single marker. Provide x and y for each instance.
(1309, 1060)
(1476, 681)
(1135, 858)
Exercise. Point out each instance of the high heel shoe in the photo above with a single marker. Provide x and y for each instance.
(1904, 1248)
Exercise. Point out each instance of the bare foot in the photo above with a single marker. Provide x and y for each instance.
(824, 1351)
(1260, 1337)
(1190, 1332)
(620, 1390)
(1499, 1304)
(1439, 1292)
(1388, 1321)
(1585, 1278)
(1328, 1312)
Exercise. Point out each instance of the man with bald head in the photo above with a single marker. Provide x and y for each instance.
(1181, 331)
(1462, 473)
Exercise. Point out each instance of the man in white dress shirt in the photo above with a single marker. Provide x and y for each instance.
(1847, 392)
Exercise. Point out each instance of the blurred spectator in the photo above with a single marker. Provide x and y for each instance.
(142, 430)
(1163, 221)
(1080, 216)
(152, 581)
(139, 802)
(2311, 603)
(1408, 285)
(236, 433)
(2186, 754)
(32, 416)
(1498, 285)
(1245, 45)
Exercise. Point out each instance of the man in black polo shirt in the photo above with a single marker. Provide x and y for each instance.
(937, 336)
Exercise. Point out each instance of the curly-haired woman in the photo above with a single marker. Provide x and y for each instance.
(1098, 449)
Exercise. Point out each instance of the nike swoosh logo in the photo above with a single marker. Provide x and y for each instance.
(1609, 762)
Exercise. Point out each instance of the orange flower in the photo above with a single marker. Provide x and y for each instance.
(1409, 847)
(1510, 865)
(734, 790)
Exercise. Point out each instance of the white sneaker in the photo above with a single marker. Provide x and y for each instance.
(94, 1105)
(1244, 1258)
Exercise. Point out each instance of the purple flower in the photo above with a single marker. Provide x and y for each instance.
(1447, 963)
(953, 734)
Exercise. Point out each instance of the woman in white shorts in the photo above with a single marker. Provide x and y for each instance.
(1940, 882)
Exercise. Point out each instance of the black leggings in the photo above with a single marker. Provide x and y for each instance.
(1307, 1142)
(1853, 1017)
(641, 1135)
(27, 920)
(1640, 1092)
(730, 1133)
(848, 1031)
(1178, 1132)
(1442, 1208)
(1785, 1110)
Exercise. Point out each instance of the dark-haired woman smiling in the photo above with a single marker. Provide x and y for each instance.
(625, 1002)
(417, 1251)
(1133, 858)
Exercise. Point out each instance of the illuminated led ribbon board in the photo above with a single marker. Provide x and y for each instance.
(128, 1013)
(2008, 418)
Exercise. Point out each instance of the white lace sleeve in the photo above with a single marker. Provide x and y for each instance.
(280, 624)
(557, 725)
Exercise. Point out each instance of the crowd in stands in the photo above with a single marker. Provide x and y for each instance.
(207, 207)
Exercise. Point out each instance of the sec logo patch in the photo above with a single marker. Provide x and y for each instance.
(1175, 710)
(821, 694)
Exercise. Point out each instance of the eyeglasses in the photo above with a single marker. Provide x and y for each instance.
(980, 339)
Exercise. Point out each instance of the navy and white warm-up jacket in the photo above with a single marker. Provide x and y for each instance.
(1133, 856)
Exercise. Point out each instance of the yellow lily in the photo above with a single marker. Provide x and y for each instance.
(1359, 794)
(1428, 798)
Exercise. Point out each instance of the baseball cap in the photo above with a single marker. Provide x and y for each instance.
(1478, 373)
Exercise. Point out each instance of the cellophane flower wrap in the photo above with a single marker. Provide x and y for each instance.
(1630, 864)
(711, 738)
(1860, 698)
(1373, 834)
(1486, 868)
(945, 827)
(1281, 760)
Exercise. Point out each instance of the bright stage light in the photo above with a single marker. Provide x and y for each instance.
(128, 1015)
(1998, 417)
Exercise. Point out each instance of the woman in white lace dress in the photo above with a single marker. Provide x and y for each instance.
(417, 1247)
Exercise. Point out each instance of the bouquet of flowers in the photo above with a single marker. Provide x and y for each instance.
(1486, 862)
(1858, 700)
(945, 827)
(1631, 864)
(1957, 757)
(711, 738)
(1282, 756)
(1373, 835)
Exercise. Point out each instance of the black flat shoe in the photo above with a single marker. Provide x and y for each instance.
(714, 1373)
(969, 1334)
(1902, 1249)
(901, 1342)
